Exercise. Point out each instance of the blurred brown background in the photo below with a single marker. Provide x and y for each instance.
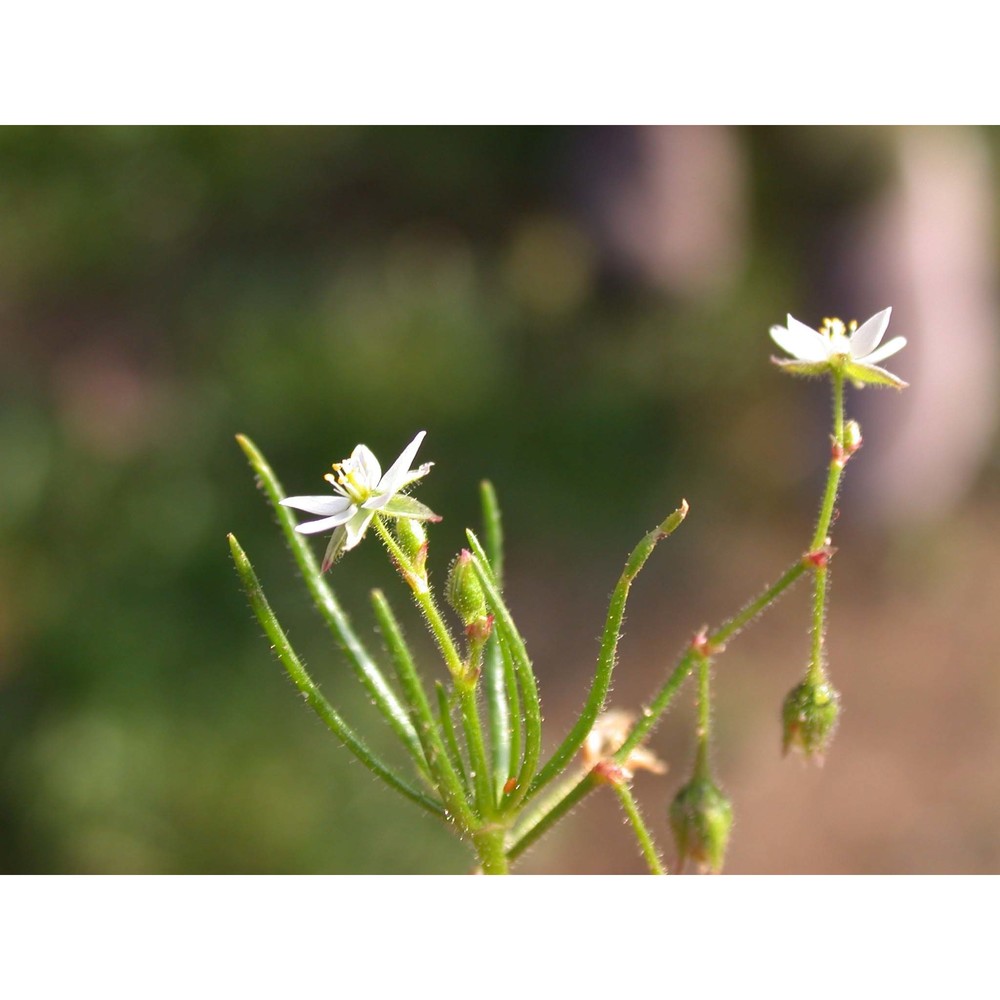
(582, 316)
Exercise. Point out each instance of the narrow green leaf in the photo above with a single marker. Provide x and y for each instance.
(301, 679)
(515, 648)
(497, 689)
(431, 737)
(448, 728)
(570, 746)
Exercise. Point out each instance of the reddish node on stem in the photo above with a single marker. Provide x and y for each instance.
(509, 785)
(821, 557)
(701, 646)
(610, 773)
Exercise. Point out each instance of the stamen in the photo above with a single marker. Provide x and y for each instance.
(832, 327)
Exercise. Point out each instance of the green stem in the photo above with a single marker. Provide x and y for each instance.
(424, 598)
(489, 844)
(443, 771)
(704, 734)
(761, 603)
(543, 818)
(464, 681)
(609, 647)
(642, 834)
(816, 668)
(836, 467)
(364, 667)
(821, 536)
(727, 631)
(301, 679)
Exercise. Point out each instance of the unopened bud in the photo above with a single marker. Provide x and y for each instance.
(809, 717)
(701, 818)
(852, 437)
(412, 537)
(465, 593)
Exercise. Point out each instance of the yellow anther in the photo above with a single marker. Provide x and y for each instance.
(832, 327)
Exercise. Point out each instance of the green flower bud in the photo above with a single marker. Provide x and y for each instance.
(809, 717)
(701, 818)
(465, 593)
(852, 436)
(411, 535)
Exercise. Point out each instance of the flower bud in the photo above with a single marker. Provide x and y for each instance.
(809, 717)
(465, 593)
(852, 436)
(411, 535)
(701, 818)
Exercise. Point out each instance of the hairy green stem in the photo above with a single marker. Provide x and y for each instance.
(836, 466)
(546, 815)
(704, 733)
(443, 772)
(821, 572)
(464, 682)
(424, 598)
(642, 834)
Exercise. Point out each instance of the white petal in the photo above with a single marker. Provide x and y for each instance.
(317, 505)
(887, 350)
(869, 335)
(367, 464)
(378, 501)
(393, 479)
(356, 528)
(800, 341)
(326, 523)
(414, 474)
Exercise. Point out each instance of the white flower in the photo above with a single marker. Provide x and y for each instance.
(852, 350)
(363, 493)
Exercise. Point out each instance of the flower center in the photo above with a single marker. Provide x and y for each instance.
(838, 335)
(354, 486)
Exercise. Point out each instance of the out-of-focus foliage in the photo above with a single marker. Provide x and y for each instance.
(163, 289)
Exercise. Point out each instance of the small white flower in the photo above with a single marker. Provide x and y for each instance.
(852, 350)
(363, 493)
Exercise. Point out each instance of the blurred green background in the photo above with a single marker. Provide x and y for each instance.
(579, 314)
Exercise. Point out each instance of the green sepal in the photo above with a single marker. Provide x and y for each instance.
(860, 375)
(404, 506)
(808, 368)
